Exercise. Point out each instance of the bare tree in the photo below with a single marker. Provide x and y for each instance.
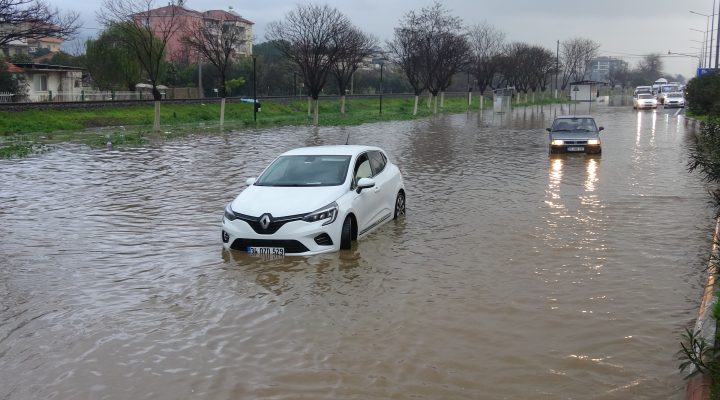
(217, 41)
(34, 19)
(651, 67)
(358, 46)
(311, 36)
(575, 57)
(442, 44)
(486, 44)
(405, 52)
(146, 31)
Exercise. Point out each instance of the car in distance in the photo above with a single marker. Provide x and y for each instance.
(642, 89)
(674, 99)
(575, 134)
(644, 100)
(315, 200)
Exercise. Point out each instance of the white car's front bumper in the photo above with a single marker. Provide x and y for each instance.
(296, 237)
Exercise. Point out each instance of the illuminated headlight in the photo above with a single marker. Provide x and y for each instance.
(557, 142)
(593, 141)
(229, 213)
(329, 213)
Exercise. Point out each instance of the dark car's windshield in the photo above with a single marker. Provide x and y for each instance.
(574, 125)
(310, 170)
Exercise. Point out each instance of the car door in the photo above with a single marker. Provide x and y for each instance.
(385, 183)
(368, 202)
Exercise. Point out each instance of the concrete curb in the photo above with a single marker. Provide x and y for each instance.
(698, 387)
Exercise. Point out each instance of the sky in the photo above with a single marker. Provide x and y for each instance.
(626, 29)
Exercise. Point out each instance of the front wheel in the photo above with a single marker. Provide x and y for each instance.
(346, 235)
(399, 205)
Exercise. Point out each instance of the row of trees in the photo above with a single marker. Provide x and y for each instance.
(316, 49)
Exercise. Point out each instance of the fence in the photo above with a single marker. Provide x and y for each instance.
(6, 97)
(89, 94)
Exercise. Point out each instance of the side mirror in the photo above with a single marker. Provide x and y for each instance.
(548, 129)
(601, 128)
(365, 183)
(250, 181)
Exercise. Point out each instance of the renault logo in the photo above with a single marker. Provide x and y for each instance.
(265, 221)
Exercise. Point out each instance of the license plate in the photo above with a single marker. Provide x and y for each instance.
(266, 251)
(575, 149)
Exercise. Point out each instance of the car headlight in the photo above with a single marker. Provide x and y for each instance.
(593, 141)
(329, 212)
(557, 142)
(229, 213)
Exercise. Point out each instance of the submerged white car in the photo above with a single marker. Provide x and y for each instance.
(644, 101)
(315, 200)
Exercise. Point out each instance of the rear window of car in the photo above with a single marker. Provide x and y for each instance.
(378, 161)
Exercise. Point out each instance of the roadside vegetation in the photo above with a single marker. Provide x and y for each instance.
(698, 354)
(26, 132)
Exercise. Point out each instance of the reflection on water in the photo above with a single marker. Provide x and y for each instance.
(514, 274)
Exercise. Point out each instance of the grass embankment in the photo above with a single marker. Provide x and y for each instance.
(26, 132)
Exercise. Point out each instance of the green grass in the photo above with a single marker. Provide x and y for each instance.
(26, 132)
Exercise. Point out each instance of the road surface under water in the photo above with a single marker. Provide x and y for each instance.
(514, 275)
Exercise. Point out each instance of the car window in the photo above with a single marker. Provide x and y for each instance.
(306, 170)
(574, 124)
(377, 161)
(362, 168)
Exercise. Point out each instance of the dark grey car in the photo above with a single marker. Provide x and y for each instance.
(575, 134)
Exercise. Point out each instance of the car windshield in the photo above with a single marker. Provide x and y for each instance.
(674, 95)
(645, 96)
(307, 170)
(574, 125)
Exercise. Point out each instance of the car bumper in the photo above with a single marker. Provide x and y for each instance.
(296, 237)
(576, 148)
(642, 106)
(674, 105)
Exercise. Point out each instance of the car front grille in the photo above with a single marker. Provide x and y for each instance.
(575, 142)
(290, 246)
(274, 226)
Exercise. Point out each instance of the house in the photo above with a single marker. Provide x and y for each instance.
(586, 90)
(45, 82)
(176, 50)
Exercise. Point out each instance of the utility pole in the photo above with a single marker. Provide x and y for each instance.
(557, 67)
(717, 39)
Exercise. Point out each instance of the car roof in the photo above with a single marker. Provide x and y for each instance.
(345, 150)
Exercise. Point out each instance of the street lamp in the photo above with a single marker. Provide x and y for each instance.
(712, 28)
(704, 43)
(670, 53)
(381, 61)
(254, 90)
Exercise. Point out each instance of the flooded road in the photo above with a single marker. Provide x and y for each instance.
(514, 275)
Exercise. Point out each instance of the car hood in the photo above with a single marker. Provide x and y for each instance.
(574, 135)
(283, 201)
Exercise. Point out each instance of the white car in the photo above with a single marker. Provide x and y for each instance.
(315, 200)
(644, 100)
(674, 99)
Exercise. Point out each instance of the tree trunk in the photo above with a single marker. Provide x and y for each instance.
(156, 120)
(415, 107)
(309, 106)
(222, 112)
(316, 112)
(442, 99)
(342, 104)
(429, 101)
(435, 108)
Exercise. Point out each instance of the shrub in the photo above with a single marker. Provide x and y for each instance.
(703, 94)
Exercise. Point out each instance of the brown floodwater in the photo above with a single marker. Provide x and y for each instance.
(514, 275)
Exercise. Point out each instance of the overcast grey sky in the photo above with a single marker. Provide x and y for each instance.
(625, 29)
